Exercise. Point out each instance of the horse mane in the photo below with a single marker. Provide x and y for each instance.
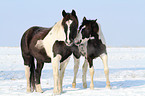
(101, 36)
(57, 26)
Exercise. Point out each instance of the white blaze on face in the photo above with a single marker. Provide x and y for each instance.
(68, 29)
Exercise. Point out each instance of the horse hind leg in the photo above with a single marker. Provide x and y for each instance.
(29, 71)
(38, 76)
(27, 74)
(104, 58)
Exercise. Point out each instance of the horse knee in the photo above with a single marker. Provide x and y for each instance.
(91, 70)
(106, 71)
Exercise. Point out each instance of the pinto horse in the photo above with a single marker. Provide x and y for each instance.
(53, 45)
(92, 45)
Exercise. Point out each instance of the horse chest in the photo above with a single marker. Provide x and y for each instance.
(83, 49)
(49, 41)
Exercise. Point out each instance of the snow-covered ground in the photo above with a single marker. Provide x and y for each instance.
(127, 75)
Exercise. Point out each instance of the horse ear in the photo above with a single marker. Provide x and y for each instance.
(64, 13)
(95, 20)
(73, 13)
(84, 19)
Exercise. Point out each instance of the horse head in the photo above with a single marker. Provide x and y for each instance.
(70, 24)
(87, 30)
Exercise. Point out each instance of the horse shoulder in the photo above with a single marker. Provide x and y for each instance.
(56, 34)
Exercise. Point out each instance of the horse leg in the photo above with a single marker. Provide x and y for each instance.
(62, 70)
(106, 69)
(91, 70)
(76, 67)
(38, 76)
(84, 68)
(55, 64)
(27, 74)
(29, 71)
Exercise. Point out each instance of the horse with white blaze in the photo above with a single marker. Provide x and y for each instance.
(92, 44)
(51, 45)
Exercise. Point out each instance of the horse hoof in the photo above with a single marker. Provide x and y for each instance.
(40, 91)
(92, 87)
(38, 88)
(28, 90)
(108, 87)
(73, 85)
(56, 92)
(85, 85)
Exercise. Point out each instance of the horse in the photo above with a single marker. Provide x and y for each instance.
(92, 44)
(49, 45)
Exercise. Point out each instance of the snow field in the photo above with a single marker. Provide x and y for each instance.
(127, 75)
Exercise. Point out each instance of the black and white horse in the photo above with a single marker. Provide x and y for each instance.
(92, 45)
(53, 45)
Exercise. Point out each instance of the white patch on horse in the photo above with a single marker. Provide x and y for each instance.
(56, 33)
(27, 74)
(83, 27)
(91, 70)
(39, 44)
(68, 31)
(101, 36)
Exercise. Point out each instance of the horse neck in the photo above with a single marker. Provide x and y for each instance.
(57, 32)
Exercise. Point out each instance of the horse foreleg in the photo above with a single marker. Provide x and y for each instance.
(55, 64)
(76, 67)
(62, 71)
(106, 69)
(84, 68)
(92, 75)
(91, 70)
(27, 74)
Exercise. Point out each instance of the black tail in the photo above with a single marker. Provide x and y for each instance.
(32, 76)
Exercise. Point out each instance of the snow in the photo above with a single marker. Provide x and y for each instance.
(127, 75)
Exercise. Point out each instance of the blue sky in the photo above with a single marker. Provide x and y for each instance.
(122, 21)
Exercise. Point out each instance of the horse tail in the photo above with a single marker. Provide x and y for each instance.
(28, 58)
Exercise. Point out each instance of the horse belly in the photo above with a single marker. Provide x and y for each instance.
(96, 51)
(39, 52)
